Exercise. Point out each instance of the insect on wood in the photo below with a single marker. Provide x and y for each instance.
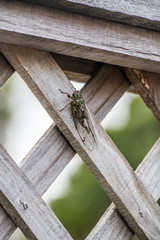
(80, 117)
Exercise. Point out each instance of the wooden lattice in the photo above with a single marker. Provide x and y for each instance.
(134, 194)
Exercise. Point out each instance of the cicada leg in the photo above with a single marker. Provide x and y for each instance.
(68, 95)
(64, 107)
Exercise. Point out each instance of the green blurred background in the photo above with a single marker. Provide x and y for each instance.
(85, 202)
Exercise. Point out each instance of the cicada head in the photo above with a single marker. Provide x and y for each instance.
(77, 95)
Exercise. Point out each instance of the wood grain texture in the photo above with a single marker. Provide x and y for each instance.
(111, 225)
(113, 172)
(6, 70)
(148, 86)
(76, 69)
(78, 65)
(131, 12)
(24, 205)
(148, 171)
(84, 37)
(77, 77)
(108, 86)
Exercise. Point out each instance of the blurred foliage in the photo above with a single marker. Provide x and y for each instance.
(138, 136)
(5, 112)
(83, 205)
(86, 201)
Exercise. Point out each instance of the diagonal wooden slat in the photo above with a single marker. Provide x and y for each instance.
(113, 171)
(77, 65)
(111, 225)
(148, 171)
(77, 69)
(25, 207)
(108, 86)
(148, 86)
(6, 70)
(85, 37)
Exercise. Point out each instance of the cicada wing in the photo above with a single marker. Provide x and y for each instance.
(89, 127)
(84, 131)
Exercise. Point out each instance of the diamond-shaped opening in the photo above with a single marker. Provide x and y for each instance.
(80, 208)
(119, 115)
(61, 185)
(28, 119)
(138, 135)
(18, 235)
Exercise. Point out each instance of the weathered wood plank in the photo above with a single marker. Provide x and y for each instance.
(77, 69)
(111, 225)
(132, 12)
(6, 225)
(84, 37)
(148, 86)
(6, 70)
(113, 171)
(149, 171)
(78, 77)
(77, 65)
(54, 148)
(25, 207)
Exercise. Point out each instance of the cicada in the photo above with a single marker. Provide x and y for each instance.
(80, 117)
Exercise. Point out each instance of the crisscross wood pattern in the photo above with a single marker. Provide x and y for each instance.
(134, 194)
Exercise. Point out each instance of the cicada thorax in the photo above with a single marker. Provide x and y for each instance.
(79, 110)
